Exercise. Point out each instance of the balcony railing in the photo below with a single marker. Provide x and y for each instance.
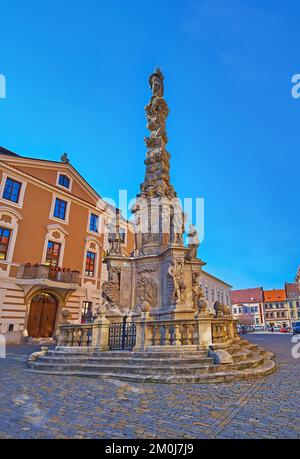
(39, 271)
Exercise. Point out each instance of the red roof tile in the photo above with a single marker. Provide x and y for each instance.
(292, 290)
(274, 295)
(247, 295)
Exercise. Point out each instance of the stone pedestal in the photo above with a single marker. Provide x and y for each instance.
(231, 329)
(204, 332)
(100, 333)
(143, 333)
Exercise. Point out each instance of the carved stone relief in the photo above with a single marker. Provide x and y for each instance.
(176, 285)
(199, 303)
(6, 218)
(147, 287)
(111, 289)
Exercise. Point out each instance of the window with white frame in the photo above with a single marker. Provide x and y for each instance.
(86, 311)
(9, 225)
(94, 223)
(54, 245)
(52, 254)
(91, 259)
(90, 264)
(64, 181)
(4, 242)
(60, 209)
(12, 190)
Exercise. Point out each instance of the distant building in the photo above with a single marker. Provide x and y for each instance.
(214, 289)
(247, 306)
(276, 308)
(293, 301)
(298, 277)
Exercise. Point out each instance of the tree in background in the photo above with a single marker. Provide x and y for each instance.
(246, 319)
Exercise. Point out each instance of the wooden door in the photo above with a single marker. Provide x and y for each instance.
(47, 322)
(41, 320)
(34, 319)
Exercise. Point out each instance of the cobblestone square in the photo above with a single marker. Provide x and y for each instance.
(42, 406)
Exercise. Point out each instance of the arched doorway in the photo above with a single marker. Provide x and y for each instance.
(42, 316)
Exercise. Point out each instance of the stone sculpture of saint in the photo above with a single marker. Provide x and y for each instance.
(193, 243)
(199, 302)
(175, 271)
(156, 83)
(176, 225)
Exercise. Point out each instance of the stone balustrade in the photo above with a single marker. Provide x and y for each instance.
(169, 332)
(72, 335)
(224, 331)
(199, 333)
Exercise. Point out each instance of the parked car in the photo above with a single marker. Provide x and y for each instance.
(296, 328)
(246, 328)
(241, 328)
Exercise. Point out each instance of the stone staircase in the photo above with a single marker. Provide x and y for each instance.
(248, 361)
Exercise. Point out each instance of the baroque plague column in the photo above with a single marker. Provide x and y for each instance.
(152, 299)
(160, 278)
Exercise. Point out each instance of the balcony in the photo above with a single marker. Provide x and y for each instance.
(47, 275)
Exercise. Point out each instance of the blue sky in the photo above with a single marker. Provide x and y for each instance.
(77, 81)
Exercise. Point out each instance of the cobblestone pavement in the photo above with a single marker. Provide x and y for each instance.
(42, 406)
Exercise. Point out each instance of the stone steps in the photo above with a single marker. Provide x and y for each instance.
(92, 352)
(132, 368)
(165, 367)
(265, 369)
(242, 355)
(138, 361)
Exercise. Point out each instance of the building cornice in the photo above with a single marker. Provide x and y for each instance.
(217, 279)
(41, 163)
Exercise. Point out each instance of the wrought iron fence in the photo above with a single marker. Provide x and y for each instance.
(122, 336)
